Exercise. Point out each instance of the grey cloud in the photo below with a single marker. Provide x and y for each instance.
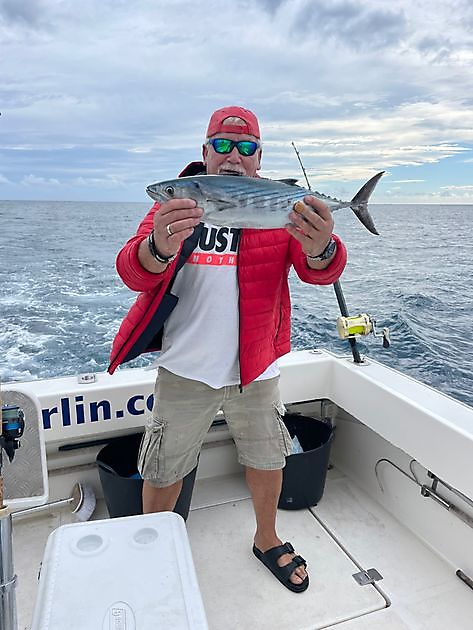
(438, 48)
(463, 11)
(14, 98)
(353, 23)
(271, 6)
(24, 12)
(432, 43)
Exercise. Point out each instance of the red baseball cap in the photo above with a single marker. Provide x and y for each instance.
(217, 122)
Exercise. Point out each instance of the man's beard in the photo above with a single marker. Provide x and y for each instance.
(230, 171)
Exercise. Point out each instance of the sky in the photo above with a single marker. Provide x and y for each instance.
(98, 99)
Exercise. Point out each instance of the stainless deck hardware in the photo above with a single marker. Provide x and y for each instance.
(20, 417)
(86, 379)
(431, 491)
(12, 424)
(367, 577)
(464, 578)
(437, 480)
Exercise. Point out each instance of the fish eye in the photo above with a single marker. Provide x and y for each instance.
(169, 190)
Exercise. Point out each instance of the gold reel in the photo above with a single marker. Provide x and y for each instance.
(362, 324)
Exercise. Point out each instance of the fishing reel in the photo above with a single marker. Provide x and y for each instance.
(361, 325)
(12, 428)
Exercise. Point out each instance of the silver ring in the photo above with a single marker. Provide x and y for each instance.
(168, 230)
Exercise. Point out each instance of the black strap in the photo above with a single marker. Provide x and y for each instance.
(151, 337)
(186, 250)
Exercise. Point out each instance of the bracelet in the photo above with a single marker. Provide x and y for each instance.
(154, 252)
(327, 253)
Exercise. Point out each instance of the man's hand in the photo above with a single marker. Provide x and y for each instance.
(312, 225)
(173, 223)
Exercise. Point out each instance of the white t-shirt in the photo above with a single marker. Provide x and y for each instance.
(201, 336)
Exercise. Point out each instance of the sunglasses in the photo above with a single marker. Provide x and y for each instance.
(223, 146)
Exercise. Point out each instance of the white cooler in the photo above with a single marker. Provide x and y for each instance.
(131, 573)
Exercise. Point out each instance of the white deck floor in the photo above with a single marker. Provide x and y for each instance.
(346, 532)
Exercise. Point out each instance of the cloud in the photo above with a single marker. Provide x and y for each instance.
(26, 12)
(465, 188)
(411, 134)
(140, 149)
(111, 181)
(119, 89)
(34, 180)
(352, 24)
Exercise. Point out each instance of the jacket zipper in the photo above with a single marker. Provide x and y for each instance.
(239, 308)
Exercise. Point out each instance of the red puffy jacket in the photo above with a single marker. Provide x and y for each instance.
(264, 260)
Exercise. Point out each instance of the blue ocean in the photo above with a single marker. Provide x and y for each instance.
(61, 300)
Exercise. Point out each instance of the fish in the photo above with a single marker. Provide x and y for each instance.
(255, 202)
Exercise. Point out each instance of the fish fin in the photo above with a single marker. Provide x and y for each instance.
(290, 181)
(213, 206)
(222, 204)
(359, 203)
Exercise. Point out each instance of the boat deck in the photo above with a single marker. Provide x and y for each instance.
(346, 533)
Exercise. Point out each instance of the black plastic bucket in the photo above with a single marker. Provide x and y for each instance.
(121, 483)
(304, 474)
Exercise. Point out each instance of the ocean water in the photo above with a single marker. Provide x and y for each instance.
(61, 300)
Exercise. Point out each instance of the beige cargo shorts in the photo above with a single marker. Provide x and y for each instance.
(183, 412)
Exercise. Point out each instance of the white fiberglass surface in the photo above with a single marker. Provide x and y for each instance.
(239, 592)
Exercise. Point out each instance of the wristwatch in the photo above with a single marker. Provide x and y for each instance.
(327, 253)
(154, 252)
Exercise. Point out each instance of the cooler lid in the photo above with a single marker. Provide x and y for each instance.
(134, 572)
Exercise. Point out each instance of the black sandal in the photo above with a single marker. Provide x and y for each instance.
(270, 560)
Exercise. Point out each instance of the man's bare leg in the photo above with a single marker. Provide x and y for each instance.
(265, 487)
(160, 499)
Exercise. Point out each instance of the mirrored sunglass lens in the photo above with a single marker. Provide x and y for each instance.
(246, 147)
(222, 145)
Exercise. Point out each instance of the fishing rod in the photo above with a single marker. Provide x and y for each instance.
(349, 326)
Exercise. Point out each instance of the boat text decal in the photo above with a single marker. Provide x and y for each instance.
(73, 410)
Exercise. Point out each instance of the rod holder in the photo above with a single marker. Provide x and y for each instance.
(8, 616)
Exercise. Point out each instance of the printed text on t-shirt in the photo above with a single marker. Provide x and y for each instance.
(217, 246)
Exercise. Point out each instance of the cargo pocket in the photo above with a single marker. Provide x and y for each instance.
(148, 453)
(285, 440)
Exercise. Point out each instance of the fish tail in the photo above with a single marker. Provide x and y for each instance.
(359, 203)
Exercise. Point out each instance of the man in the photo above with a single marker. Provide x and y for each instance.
(221, 342)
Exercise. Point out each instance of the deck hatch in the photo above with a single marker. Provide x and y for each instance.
(236, 586)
